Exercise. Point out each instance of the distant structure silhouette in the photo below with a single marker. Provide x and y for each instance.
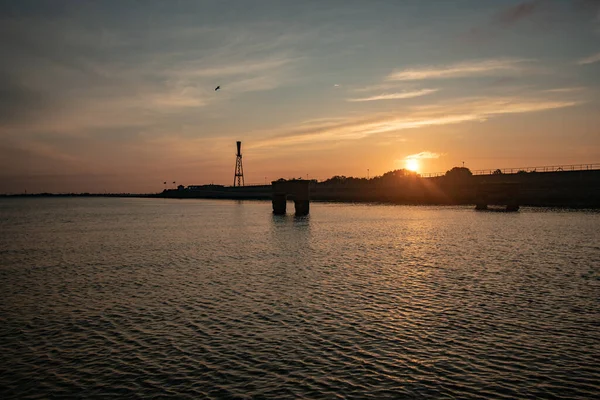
(294, 189)
(238, 177)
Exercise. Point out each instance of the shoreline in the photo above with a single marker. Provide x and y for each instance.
(565, 189)
(339, 201)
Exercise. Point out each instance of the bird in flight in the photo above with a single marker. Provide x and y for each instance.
(217, 88)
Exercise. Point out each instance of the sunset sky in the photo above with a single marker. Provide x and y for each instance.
(119, 96)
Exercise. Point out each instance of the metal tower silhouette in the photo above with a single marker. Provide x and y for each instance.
(238, 177)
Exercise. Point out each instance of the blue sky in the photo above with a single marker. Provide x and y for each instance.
(119, 95)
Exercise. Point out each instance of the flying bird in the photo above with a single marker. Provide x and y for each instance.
(217, 88)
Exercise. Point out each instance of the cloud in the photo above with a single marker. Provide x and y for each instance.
(485, 108)
(19, 101)
(455, 112)
(542, 15)
(382, 86)
(589, 60)
(565, 90)
(239, 67)
(67, 76)
(589, 7)
(422, 155)
(518, 12)
(176, 101)
(459, 70)
(396, 96)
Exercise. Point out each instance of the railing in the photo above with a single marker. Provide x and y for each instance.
(432, 174)
(546, 168)
(257, 184)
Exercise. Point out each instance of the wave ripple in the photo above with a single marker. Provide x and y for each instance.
(207, 299)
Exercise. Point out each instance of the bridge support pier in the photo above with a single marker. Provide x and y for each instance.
(498, 194)
(297, 190)
(512, 206)
(302, 207)
(279, 204)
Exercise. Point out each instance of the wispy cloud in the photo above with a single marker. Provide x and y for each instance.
(396, 96)
(539, 14)
(356, 128)
(382, 86)
(466, 110)
(485, 108)
(246, 67)
(565, 90)
(589, 60)
(70, 78)
(422, 155)
(518, 12)
(459, 70)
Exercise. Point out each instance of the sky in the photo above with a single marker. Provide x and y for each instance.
(118, 96)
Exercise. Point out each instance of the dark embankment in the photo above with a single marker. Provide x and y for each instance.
(221, 192)
(549, 189)
(577, 189)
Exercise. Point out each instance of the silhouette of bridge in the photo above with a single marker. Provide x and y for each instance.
(574, 185)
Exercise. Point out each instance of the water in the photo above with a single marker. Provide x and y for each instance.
(219, 299)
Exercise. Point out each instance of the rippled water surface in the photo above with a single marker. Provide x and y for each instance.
(219, 299)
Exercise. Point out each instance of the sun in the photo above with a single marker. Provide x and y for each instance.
(412, 164)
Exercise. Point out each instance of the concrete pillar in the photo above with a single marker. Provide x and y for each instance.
(481, 206)
(512, 206)
(302, 207)
(515, 198)
(297, 189)
(481, 201)
(279, 204)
